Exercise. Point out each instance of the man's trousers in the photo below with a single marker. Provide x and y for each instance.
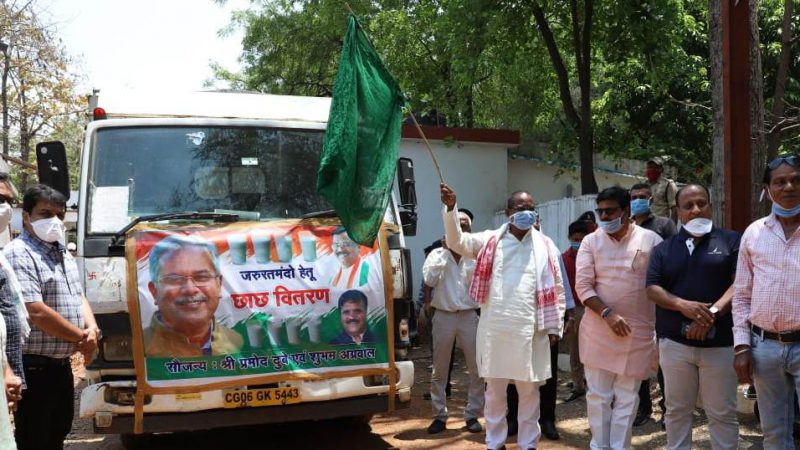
(611, 427)
(527, 417)
(44, 415)
(708, 371)
(460, 327)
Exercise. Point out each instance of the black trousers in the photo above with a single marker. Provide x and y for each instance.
(547, 393)
(645, 402)
(44, 415)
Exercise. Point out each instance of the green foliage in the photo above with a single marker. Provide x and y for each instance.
(484, 64)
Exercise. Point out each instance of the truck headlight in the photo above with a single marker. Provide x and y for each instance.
(117, 348)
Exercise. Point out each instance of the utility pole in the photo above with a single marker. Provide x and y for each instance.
(736, 112)
(4, 94)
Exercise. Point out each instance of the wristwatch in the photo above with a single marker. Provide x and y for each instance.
(714, 310)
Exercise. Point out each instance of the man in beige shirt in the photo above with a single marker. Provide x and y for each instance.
(663, 189)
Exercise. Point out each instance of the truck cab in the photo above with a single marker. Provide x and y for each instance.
(249, 156)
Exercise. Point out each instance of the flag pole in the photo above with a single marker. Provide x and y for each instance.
(430, 150)
(414, 119)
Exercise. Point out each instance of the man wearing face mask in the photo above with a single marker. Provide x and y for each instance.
(518, 284)
(576, 232)
(12, 307)
(617, 334)
(766, 311)
(690, 279)
(641, 211)
(62, 321)
(663, 189)
(641, 198)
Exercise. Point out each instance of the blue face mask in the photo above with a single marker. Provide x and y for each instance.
(780, 211)
(575, 245)
(611, 226)
(640, 206)
(524, 220)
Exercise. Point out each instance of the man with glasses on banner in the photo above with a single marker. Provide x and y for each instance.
(518, 283)
(766, 304)
(185, 282)
(617, 333)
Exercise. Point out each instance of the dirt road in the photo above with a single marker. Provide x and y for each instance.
(404, 429)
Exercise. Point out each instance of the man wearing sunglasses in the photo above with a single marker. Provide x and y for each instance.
(766, 303)
(185, 282)
(617, 333)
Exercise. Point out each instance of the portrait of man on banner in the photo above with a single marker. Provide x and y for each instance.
(186, 282)
(353, 311)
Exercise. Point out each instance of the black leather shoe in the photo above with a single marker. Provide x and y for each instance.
(641, 418)
(549, 430)
(501, 448)
(513, 426)
(574, 395)
(437, 426)
(473, 426)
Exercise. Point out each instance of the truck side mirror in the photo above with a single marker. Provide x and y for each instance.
(408, 195)
(51, 161)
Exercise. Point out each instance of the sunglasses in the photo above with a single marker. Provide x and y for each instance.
(792, 160)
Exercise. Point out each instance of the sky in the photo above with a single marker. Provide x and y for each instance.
(135, 46)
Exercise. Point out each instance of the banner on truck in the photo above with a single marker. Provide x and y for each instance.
(218, 304)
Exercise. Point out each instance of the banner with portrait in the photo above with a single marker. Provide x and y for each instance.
(215, 304)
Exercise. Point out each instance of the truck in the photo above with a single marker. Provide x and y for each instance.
(192, 159)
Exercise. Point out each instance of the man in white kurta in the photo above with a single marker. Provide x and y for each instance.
(510, 347)
(617, 333)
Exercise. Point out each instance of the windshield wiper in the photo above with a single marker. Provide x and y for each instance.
(325, 213)
(216, 217)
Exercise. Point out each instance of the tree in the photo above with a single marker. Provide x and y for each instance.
(621, 79)
(41, 88)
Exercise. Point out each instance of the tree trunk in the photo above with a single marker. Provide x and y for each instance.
(586, 150)
(758, 147)
(580, 121)
(717, 135)
(778, 104)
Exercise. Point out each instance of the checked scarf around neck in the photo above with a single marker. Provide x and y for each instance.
(546, 295)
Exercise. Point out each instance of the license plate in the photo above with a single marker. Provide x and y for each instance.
(247, 398)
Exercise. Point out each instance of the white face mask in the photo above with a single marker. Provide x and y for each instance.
(50, 230)
(5, 215)
(698, 227)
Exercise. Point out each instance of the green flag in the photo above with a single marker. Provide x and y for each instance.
(362, 139)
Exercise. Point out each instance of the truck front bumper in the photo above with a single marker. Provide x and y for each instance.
(324, 399)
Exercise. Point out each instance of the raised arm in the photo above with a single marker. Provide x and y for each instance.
(465, 244)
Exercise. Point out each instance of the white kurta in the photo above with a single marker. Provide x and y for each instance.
(509, 345)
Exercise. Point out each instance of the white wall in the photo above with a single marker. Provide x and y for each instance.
(539, 178)
(478, 174)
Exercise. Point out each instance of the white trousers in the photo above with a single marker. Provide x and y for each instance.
(496, 408)
(611, 427)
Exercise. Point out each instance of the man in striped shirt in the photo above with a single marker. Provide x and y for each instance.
(61, 320)
(766, 310)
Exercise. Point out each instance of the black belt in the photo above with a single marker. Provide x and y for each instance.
(786, 336)
(44, 361)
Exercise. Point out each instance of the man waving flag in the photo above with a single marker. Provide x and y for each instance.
(362, 139)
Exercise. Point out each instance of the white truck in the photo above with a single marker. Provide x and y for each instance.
(145, 159)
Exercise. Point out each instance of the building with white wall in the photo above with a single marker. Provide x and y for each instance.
(483, 168)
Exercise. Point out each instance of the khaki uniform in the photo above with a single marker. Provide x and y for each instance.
(664, 191)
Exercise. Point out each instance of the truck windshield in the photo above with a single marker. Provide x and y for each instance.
(149, 170)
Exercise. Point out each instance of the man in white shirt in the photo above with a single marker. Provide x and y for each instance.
(518, 284)
(455, 319)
